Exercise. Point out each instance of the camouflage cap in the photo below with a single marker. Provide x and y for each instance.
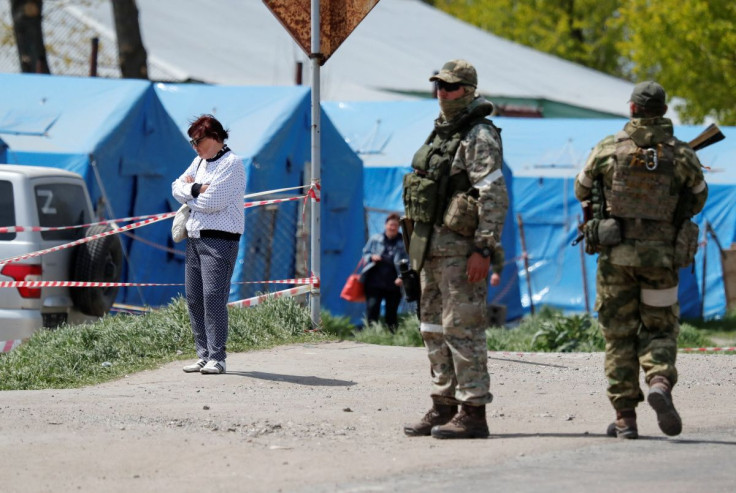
(649, 95)
(457, 71)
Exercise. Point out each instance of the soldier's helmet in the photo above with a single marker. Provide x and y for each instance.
(649, 95)
(457, 71)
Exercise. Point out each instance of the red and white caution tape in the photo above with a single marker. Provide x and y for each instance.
(287, 293)
(149, 220)
(86, 239)
(6, 346)
(310, 281)
(21, 229)
(707, 349)
(273, 201)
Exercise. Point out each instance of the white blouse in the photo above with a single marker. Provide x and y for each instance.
(221, 206)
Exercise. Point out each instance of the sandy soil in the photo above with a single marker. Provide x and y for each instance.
(329, 417)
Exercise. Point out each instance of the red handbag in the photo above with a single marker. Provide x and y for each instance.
(353, 289)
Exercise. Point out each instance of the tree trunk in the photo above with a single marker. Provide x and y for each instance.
(131, 53)
(29, 35)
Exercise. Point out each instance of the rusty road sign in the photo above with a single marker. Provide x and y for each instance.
(338, 18)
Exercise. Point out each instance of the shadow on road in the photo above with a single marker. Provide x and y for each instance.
(685, 441)
(298, 379)
(511, 360)
(549, 435)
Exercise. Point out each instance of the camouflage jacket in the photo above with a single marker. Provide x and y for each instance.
(480, 155)
(688, 177)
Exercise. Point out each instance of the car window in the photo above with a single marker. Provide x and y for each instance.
(61, 204)
(7, 209)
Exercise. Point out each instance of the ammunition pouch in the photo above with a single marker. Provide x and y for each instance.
(601, 232)
(461, 215)
(420, 198)
(609, 232)
(686, 244)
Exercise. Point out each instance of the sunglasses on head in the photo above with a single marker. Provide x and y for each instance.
(446, 86)
(195, 142)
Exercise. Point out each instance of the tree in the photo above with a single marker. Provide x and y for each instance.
(131, 52)
(690, 47)
(582, 31)
(690, 50)
(29, 35)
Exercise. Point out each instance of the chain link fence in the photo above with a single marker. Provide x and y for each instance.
(69, 36)
(277, 246)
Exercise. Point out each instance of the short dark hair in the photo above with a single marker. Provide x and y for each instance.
(642, 112)
(207, 126)
(393, 217)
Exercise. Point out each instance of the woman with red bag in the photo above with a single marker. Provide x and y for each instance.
(381, 256)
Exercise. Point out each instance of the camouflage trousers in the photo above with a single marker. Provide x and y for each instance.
(638, 315)
(453, 323)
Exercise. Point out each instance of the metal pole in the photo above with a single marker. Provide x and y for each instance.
(316, 243)
(526, 262)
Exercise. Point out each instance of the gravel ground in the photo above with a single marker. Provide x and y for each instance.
(328, 417)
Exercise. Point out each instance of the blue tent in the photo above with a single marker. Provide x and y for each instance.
(270, 129)
(117, 135)
(545, 156)
(386, 135)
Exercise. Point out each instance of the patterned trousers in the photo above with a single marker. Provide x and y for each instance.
(453, 325)
(638, 315)
(209, 267)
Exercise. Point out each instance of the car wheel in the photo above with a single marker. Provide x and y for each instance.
(99, 260)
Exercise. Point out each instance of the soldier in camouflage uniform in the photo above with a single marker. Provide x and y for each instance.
(652, 185)
(456, 196)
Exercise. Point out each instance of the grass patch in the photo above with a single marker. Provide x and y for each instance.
(547, 331)
(720, 332)
(79, 355)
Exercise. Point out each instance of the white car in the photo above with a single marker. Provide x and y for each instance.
(32, 196)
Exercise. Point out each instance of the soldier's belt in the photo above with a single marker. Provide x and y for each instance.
(642, 229)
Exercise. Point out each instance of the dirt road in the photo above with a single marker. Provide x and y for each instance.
(319, 418)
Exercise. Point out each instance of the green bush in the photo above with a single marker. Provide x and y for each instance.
(567, 334)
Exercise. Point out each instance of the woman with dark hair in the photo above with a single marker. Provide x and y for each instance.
(381, 256)
(213, 186)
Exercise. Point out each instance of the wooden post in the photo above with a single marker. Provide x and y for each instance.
(93, 56)
(526, 262)
(705, 271)
(585, 274)
(298, 74)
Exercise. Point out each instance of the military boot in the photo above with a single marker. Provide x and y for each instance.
(470, 422)
(660, 398)
(438, 415)
(624, 426)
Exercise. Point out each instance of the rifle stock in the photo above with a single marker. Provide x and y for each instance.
(709, 136)
(407, 228)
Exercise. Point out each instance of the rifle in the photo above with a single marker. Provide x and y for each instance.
(592, 210)
(409, 277)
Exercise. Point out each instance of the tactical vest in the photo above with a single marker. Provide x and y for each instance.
(428, 188)
(642, 195)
